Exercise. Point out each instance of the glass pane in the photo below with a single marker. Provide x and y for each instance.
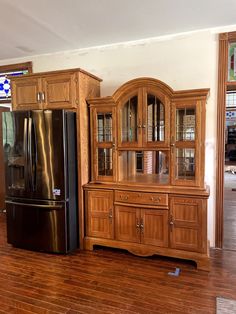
(185, 163)
(155, 119)
(105, 162)
(129, 120)
(185, 124)
(231, 99)
(144, 166)
(232, 62)
(14, 154)
(5, 91)
(104, 127)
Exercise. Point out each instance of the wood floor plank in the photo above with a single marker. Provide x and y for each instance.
(107, 281)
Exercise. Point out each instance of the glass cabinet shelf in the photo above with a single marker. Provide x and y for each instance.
(185, 163)
(150, 167)
(185, 124)
(104, 127)
(105, 165)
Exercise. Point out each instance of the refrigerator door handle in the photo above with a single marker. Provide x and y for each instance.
(30, 162)
(34, 205)
(25, 144)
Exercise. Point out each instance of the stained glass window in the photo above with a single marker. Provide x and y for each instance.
(5, 89)
(232, 62)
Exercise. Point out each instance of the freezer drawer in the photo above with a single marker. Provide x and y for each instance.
(39, 227)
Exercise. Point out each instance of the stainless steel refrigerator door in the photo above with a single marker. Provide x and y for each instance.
(47, 155)
(15, 145)
(37, 226)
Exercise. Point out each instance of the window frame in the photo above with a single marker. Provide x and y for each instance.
(15, 67)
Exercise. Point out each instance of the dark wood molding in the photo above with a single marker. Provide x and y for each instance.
(224, 40)
(17, 66)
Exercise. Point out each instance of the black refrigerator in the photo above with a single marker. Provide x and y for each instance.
(41, 179)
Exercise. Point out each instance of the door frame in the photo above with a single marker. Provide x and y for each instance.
(224, 40)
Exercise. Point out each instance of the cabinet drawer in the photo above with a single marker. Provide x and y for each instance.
(156, 199)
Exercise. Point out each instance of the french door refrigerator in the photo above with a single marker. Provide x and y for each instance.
(40, 174)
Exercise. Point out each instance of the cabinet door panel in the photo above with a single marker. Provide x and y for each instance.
(127, 224)
(154, 227)
(99, 214)
(103, 143)
(188, 224)
(185, 143)
(25, 94)
(59, 91)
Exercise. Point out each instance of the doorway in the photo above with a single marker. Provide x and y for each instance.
(229, 238)
(225, 187)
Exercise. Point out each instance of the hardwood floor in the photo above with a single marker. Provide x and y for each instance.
(109, 281)
(229, 240)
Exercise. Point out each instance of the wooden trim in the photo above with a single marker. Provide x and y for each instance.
(17, 66)
(224, 40)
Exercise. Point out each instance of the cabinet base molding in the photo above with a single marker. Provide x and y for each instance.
(202, 260)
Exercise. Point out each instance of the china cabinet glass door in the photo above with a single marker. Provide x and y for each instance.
(155, 121)
(184, 143)
(130, 121)
(104, 143)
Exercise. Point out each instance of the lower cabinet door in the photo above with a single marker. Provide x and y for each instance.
(188, 224)
(99, 214)
(154, 227)
(127, 224)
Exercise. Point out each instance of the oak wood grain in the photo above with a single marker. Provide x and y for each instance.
(109, 281)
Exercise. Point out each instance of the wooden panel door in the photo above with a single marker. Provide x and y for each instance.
(127, 223)
(59, 91)
(154, 227)
(188, 224)
(99, 214)
(2, 170)
(26, 93)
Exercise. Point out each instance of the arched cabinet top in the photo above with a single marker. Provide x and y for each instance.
(143, 82)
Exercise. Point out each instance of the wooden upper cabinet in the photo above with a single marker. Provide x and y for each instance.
(159, 138)
(59, 91)
(143, 119)
(188, 224)
(26, 93)
(52, 90)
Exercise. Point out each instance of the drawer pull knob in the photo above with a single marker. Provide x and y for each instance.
(155, 199)
(124, 197)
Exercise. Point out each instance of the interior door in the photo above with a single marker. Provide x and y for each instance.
(2, 171)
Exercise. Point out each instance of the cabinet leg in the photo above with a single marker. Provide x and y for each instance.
(203, 264)
(88, 245)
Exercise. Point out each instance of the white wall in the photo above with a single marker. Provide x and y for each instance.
(184, 61)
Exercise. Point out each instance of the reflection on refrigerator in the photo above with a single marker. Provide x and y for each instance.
(41, 188)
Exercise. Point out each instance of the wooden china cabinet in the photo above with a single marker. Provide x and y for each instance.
(147, 191)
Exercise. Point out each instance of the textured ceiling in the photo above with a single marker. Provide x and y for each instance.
(32, 27)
